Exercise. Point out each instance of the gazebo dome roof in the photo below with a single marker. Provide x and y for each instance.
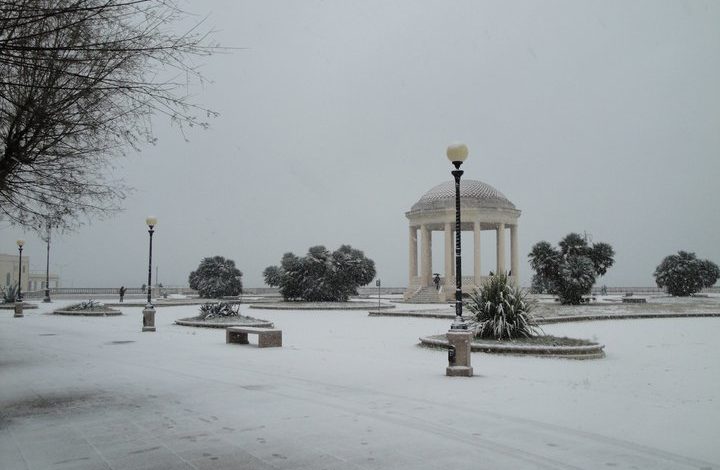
(473, 193)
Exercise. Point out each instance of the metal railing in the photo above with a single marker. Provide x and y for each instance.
(645, 290)
(467, 280)
(98, 291)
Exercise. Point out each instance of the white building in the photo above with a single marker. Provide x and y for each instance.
(31, 281)
(482, 207)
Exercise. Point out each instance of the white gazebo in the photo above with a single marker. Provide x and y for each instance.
(482, 207)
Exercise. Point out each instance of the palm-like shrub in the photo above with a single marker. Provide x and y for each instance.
(218, 309)
(576, 279)
(9, 294)
(570, 270)
(502, 310)
(89, 304)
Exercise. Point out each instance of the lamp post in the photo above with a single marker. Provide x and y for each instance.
(378, 283)
(47, 267)
(459, 337)
(457, 154)
(20, 244)
(18, 299)
(149, 310)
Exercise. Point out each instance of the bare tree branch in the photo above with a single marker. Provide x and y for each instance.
(80, 81)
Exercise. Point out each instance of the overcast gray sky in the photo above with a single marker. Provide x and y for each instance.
(597, 116)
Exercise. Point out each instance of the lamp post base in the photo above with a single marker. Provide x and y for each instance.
(18, 309)
(148, 319)
(459, 353)
(459, 371)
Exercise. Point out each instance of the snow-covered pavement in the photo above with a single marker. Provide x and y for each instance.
(348, 391)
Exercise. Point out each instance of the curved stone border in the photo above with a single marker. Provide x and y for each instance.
(591, 351)
(26, 306)
(624, 316)
(204, 324)
(169, 303)
(320, 306)
(89, 313)
(413, 313)
(555, 319)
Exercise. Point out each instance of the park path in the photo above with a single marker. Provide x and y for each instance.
(87, 393)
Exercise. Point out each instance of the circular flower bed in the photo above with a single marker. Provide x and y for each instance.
(90, 308)
(542, 345)
(300, 305)
(503, 323)
(222, 315)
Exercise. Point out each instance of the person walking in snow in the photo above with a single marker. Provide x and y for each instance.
(122, 293)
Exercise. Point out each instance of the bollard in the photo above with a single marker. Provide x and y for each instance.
(148, 319)
(459, 353)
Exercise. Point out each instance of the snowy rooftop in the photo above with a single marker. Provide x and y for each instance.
(349, 391)
(473, 193)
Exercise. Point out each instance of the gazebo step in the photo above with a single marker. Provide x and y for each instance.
(426, 295)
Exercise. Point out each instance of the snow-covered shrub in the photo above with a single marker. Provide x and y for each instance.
(570, 270)
(502, 310)
(321, 275)
(576, 279)
(9, 294)
(218, 309)
(216, 277)
(90, 304)
(683, 274)
(541, 285)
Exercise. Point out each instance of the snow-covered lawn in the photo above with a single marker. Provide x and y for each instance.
(349, 391)
(612, 304)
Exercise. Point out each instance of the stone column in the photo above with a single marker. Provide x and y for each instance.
(477, 271)
(500, 249)
(514, 263)
(425, 256)
(449, 255)
(412, 256)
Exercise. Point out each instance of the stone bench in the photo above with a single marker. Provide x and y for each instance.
(267, 337)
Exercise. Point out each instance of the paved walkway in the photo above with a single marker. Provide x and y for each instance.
(345, 392)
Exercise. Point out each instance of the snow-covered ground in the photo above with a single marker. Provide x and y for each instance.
(349, 391)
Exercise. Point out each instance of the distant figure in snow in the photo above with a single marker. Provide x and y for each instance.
(436, 280)
(492, 273)
(122, 293)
